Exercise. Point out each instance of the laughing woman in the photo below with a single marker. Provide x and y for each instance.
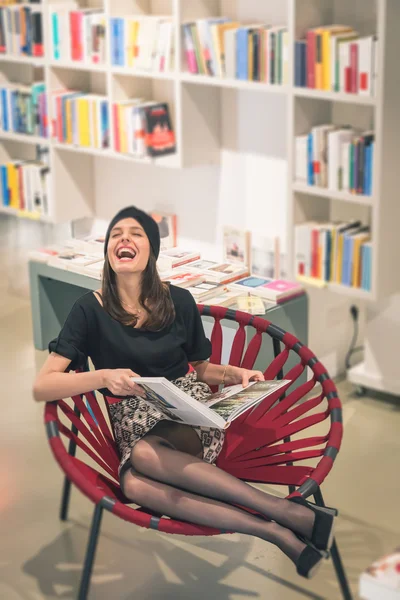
(138, 326)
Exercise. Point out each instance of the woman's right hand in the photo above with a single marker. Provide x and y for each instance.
(119, 382)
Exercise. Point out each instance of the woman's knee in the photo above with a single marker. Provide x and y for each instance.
(132, 487)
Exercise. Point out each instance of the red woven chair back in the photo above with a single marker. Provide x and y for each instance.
(257, 446)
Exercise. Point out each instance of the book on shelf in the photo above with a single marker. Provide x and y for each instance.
(175, 257)
(276, 290)
(381, 581)
(334, 252)
(77, 34)
(336, 158)
(21, 30)
(219, 410)
(221, 47)
(80, 119)
(160, 135)
(167, 226)
(336, 58)
(23, 108)
(25, 186)
(143, 128)
(144, 43)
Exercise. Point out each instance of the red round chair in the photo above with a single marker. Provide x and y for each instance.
(259, 446)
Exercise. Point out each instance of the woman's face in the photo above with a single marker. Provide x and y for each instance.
(128, 248)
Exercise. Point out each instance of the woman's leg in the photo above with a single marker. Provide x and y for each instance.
(164, 459)
(185, 506)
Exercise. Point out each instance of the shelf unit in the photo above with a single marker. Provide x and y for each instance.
(199, 112)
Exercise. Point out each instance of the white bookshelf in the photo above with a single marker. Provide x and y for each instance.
(199, 105)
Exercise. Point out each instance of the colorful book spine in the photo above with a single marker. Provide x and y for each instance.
(334, 252)
(337, 59)
(24, 187)
(21, 109)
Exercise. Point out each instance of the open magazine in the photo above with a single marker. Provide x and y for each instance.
(219, 410)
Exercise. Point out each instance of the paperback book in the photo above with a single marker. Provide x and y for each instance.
(174, 258)
(221, 272)
(276, 290)
(237, 246)
(219, 410)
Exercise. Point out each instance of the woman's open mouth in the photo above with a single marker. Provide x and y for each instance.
(125, 254)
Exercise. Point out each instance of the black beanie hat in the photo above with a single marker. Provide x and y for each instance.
(148, 223)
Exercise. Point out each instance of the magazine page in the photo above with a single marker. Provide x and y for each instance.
(237, 400)
(176, 405)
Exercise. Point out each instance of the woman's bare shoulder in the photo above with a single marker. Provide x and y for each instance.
(97, 295)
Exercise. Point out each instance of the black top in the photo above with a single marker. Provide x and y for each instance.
(90, 331)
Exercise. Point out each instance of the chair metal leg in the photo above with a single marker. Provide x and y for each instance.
(277, 349)
(67, 484)
(337, 561)
(90, 553)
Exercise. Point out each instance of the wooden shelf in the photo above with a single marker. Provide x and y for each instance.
(78, 66)
(8, 210)
(236, 84)
(313, 190)
(345, 290)
(24, 138)
(25, 60)
(169, 76)
(171, 160)
(334, 96)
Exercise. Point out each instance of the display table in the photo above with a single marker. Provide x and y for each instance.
(54, 291)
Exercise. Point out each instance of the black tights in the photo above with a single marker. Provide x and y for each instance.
(168, 477)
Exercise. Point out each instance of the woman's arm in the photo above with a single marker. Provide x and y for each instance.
(225, 374)
(52, 383)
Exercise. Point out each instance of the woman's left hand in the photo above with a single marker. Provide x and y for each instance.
(235, 375)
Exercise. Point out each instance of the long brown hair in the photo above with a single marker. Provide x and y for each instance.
(154, 297)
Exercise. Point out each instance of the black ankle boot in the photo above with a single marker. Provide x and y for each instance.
(322, 533)
(309, 561)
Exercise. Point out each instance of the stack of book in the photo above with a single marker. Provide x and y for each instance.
(83, 256)
(21, 31)
(23, 109)
(174, 258)
(25, 186)
(274, 290)
(334, 252)
(143, 128)
(335, 58)
(77, 34)
(224, 48)
(339, 159)
(223, 273)
(80, 119)
(143, 43)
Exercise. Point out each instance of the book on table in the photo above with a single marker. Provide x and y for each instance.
(218, 410)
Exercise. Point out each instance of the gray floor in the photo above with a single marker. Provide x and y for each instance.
(40, 558)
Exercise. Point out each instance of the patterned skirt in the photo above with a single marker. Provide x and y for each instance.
(132, 418)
